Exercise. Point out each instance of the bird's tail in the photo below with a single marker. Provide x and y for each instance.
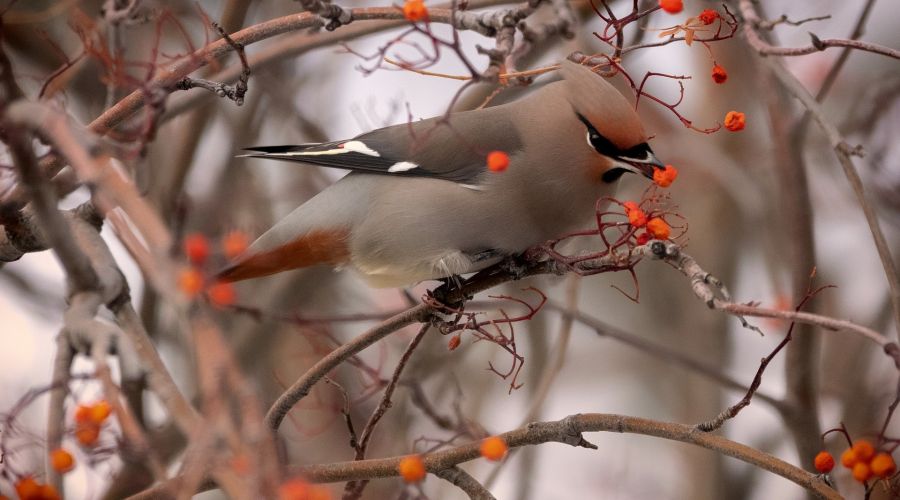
(315, 247)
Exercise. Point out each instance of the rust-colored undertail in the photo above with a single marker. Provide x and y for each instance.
(315, 247)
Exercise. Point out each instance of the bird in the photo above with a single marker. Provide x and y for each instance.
(420, 202)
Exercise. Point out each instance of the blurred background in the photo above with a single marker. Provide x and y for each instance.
(737, 191)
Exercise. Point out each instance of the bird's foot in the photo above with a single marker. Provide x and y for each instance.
(516, 266)
(450, 286)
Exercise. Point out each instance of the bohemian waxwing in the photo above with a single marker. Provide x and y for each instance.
(420, 202)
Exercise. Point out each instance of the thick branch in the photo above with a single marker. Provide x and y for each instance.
(53, 225)
(268, 29)
(568, 431)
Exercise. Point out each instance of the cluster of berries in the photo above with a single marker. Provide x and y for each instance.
(89, 420)
(734, 120)
(863, 461)
(29, 489)
(192, 281)
(654, 227)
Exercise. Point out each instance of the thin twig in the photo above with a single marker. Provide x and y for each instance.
(461, 479)
(304, 384)
(841, 149)
(353, 489)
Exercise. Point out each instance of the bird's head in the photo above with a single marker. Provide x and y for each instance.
(609, 123)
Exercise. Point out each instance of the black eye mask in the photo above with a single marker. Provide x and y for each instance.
(605, 147)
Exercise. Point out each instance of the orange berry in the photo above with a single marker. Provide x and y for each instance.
(848, 458)
(494, 448)
(87, 434)
(222, 294)
(735, 120)
(883, 465)
(100, 412)
(664, 177)
(317, 492)
(658, 228)
(190, 282)
(643, 238)
(47, 492)
(824, 462)
(234, 244)
(61, 460)
(415, 10)
(196, 248)
(83, 414)
(27, 487)
(412, 469)
(294, 489)
(864, 450)
(636, 216)
(497, 161)
(671, 6)
(298, 489)
(454, 342)
(862, 472)
(709, 16)
(719, 75)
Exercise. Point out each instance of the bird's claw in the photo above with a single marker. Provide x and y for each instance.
(515, 266)
(449, 286)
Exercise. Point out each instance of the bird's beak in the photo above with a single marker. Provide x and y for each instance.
(642, 166)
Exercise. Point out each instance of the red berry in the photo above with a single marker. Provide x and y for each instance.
(824, 462)
(196, 248)
(497, 161)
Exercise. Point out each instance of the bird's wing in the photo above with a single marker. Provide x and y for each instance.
(453, 149)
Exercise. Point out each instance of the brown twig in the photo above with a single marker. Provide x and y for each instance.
(56, 410)
(354, 489)
(300, 388)
(604, 329)
(842, 150)
(783, 19)
(234, 92)
(733, 410)
(462, 480)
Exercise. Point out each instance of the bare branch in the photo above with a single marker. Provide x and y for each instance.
(461, 479)
(569, 431)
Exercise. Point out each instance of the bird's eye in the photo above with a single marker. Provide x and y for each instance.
(600, 144)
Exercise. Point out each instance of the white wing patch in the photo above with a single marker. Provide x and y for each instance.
(402, 166)
(359, 147)
(347, 147)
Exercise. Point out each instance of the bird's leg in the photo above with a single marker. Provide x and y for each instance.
(515, 265)
(485, 255)
(449, 285)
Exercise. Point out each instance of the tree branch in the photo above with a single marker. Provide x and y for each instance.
(568, 431)
(841, 149)
(461, 479)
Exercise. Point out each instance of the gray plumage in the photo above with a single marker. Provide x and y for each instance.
(420, 203)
